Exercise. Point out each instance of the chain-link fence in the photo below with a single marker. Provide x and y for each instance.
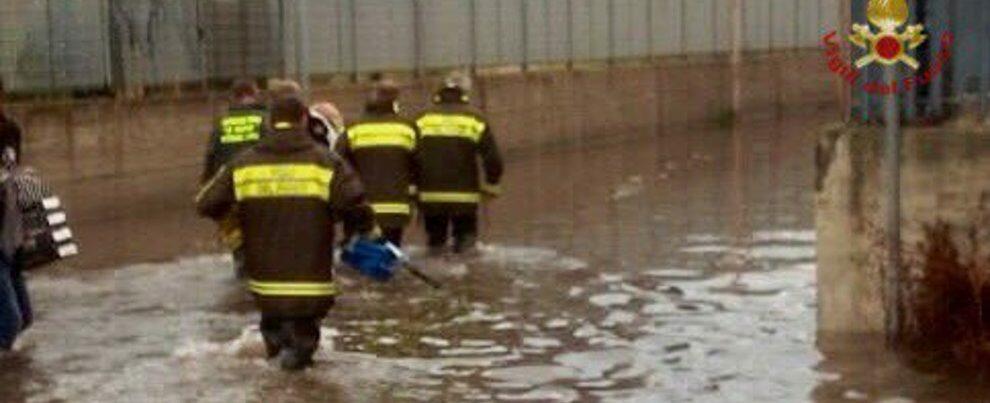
(99, 45)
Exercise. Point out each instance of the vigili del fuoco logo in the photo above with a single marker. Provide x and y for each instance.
(887, 45)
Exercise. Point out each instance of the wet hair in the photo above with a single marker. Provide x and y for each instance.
(244, 88)
(288, 112)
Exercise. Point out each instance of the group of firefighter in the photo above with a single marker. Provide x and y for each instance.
(280, 174)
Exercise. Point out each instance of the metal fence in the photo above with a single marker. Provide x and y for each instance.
(73, 45)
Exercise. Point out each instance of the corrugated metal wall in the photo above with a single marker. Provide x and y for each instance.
(85, 44)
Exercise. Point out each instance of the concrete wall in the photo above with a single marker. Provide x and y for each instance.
(944, 178)
(116, 162)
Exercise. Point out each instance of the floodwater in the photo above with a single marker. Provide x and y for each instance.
(676, 267)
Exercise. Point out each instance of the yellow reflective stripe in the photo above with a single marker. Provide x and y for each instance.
(463, 126)
(391, 208)
(240, 129)
(282, 289)
(449, 197)
(491, 189)
(282, 181)
(366, 135)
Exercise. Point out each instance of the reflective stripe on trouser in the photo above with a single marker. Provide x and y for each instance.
(444, 125)
(282, 181)
(365, 135)
(391, 208)
(450, 197)
(279, 289)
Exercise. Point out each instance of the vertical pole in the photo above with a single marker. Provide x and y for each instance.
(340, 36)
(893, 208)
(473, 30)
(283, 65)
(845, 25)
(546, 32)
(736, 58)
(355, 64)
(650, 28)
(49, 16)
(417, 36)
(682, 24)
(570, 34)
(301, 48)
(499, 53)
(611, 32)
(242, 29)
(525, 34)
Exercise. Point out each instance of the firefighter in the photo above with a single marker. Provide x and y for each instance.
(288, 192)
(381, 146)
(240, 128)
(453, 135)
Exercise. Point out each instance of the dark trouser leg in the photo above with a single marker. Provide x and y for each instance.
(23, 299)
(11, 321)
(303, 335)
(271, 331)
(436, 229)
(238, 257)
(465, 232)
(393, 235)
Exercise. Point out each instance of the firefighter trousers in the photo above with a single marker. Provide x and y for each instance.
(462, 226)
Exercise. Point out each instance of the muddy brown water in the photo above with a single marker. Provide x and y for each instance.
(671, 267)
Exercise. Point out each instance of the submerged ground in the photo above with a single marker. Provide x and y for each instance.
(671, 267)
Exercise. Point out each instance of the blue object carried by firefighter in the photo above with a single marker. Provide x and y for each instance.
(381, 260)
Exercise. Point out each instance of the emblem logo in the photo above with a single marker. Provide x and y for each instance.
(887, 46)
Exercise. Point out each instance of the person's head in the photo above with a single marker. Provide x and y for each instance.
(244, 91)
(289, 114)
(456, 88)
(280, 88)
(328, 112)
(384, 97)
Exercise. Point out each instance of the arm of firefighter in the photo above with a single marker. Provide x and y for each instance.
(414, 167)
(343, 147)
(217, 198)
(348, 200)
(212, 161)
(491, 160)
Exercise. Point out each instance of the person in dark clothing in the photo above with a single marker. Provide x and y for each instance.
(382, 147)
(453, 135)
(239, 129)
(287, 192)
(15, 305)
(10, 131)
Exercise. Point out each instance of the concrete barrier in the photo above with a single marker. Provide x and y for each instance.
(122, 162)
(944, 180)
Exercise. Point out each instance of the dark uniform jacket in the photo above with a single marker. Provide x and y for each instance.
(452, 137)
(10, 135)
(382, 148)
(236, 131)
(288, 192)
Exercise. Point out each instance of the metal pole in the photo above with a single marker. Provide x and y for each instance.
(650, 28)
(352, 9)
(525, 34)
(417, 37)
(736, 59)
(570, 34)
(611, 32)
(473, 29)
(302, 42)
(892, 203)
(51, 46)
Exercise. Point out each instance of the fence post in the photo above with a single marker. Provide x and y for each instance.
(418, 30)
(352, 9)
(570, 34)
(611, 32)
(301, 48)
(473, 4)
(525, 34)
